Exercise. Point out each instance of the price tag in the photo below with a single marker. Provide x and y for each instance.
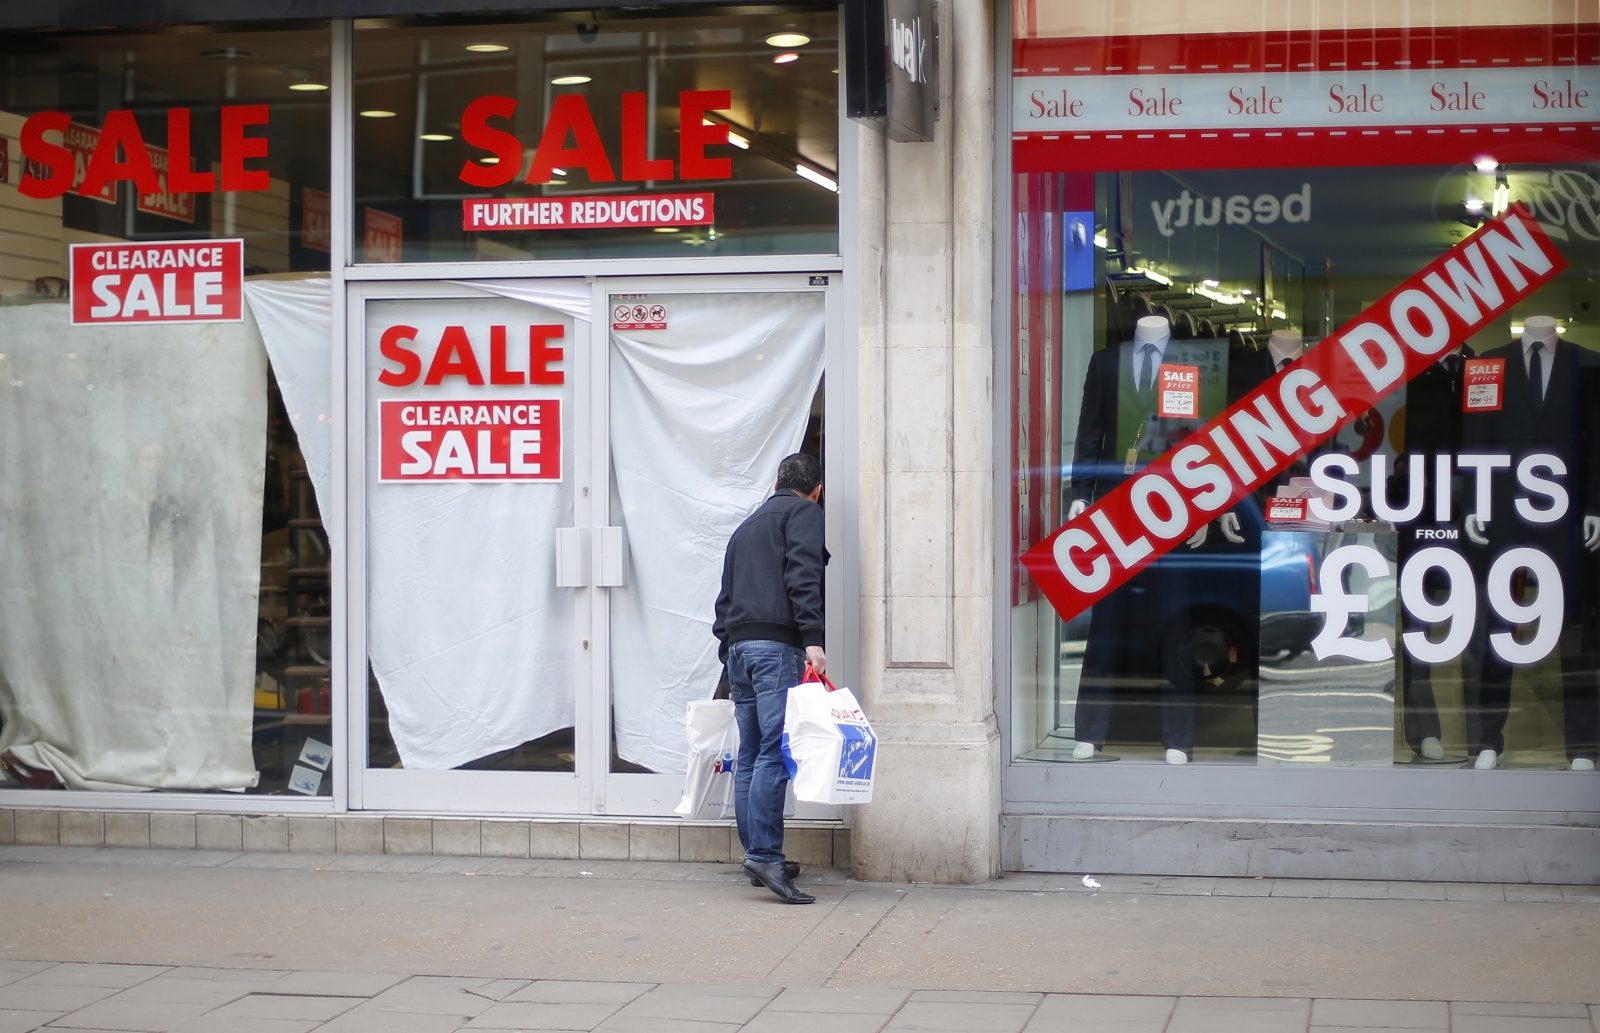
(1483, 385)
(1279, 508)
(1180, 391)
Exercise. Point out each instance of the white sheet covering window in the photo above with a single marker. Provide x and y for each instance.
(131, 469)
(701, 415)
(470, 638)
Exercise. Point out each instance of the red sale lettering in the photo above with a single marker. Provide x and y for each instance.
(570, 116)
(1346, 101)
(498, 440)
(170, 282)
(1156, 104)
(456, 356)
(1054, 105)
(1254, 102)
(1562, 95)
(1345, 375)
(1444, 97)
(88, 158)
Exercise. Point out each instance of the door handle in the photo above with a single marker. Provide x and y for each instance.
(611, 559)
(572, 557)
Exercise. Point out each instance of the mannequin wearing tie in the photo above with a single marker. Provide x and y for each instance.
(1547, 407)
(1119, 397)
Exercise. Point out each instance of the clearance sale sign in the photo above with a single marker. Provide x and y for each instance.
(1448, 301)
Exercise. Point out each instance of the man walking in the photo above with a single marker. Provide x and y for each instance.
(769, 622)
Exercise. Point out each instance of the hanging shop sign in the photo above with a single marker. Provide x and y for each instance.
(892, 66)
(178, 281)
(93, 161)
(1162, 504)
(1291, 99)
(381, 236)
(316, 219)
(486, 435)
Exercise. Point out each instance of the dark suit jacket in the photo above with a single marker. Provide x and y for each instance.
(1566, 423)
(1096, 468)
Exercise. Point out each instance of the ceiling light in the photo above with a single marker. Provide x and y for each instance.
(738, 141)
(786, 59)
(487, 48)
(490, 160)
(1210, 283)
(558, 172)
(806, 172)
(788, 39)
(377, 113)
(1486, 165)
(571, 80)
(308, 87)
(668, 229)
(435, 137)
(1245, 292)
(1473, 205)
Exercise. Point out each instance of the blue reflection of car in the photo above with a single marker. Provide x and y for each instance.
(1201, 608)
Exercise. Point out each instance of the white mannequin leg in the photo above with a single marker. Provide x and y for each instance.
(1582, 764)
(1177, 757)
(1432, 748)
(1487, 761)
(1083, 751)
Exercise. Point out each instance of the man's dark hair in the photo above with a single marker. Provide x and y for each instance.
(799, 473)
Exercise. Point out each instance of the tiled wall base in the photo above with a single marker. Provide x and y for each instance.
(819, 845)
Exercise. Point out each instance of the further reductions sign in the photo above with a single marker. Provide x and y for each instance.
(186, 281)
(1449, 300)
(472, 429)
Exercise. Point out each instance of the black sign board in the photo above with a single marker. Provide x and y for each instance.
(892, 66)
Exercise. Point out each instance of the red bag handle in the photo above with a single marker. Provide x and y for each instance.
(812, 675)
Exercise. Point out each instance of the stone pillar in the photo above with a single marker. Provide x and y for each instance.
(927, 479)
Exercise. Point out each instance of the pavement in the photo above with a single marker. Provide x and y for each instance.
(152, 941)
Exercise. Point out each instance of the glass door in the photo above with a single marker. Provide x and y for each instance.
(702, 385)
(476, 600)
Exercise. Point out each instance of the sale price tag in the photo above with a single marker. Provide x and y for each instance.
(502, 440)
(1280, 508)
(180, 281)
(1483, 385)
(1180, 391)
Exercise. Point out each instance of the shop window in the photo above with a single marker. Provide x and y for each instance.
(661, 137)
(165, 613)
(1278, 550)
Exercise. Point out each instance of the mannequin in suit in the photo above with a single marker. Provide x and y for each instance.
(1118, 433)
(1432, 427)
(1548, 406)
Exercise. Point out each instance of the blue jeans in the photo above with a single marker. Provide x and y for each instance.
(760, 674)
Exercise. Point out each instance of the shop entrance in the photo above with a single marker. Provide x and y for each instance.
(549, 472)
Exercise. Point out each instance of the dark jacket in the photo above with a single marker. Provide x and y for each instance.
(772, 576)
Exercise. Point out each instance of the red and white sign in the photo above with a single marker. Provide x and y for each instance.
(1483, 385)
(164, 201)
(587, 213)
(5, 159)
(638, 315)
(380, 236)
(81, 142)
(185, 281)
(316, 220)
(1438, 96)
(1180, 391)
(470, 440)
(1458, 294)
(1279, 508)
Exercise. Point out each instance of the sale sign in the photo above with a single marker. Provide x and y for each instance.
(381, 236)
(587, 213)
(165, 201)
(470, 440)
(316, 220)
(1180, 391)
(1458, 294)
(186, 281)
(1483, 385)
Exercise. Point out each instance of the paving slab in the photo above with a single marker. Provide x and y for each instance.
(1424, 1015)
(141, 1016)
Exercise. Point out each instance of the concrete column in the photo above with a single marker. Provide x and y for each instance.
(926, 397)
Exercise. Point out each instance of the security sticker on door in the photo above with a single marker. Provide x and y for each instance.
(503, 440)
(638, 315)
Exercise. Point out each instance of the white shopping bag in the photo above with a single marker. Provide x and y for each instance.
(828, 745)
(713, 754)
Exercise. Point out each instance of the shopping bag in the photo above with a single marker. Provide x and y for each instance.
(713, 754)
(828, 745)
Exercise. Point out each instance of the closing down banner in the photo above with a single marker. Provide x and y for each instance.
(1460, 293)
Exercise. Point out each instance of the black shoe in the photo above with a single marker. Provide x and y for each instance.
(776, 879)
(790, 868)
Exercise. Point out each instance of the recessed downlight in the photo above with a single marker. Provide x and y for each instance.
(668, 229)
(786, 40)
(377, 113)
(487, 48)
(436, 137)
(571, 80)
(308, 87)
(490, 160)
(786, 59)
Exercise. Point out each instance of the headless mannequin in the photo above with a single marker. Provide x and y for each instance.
(1535, 330)
(1149, 330)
